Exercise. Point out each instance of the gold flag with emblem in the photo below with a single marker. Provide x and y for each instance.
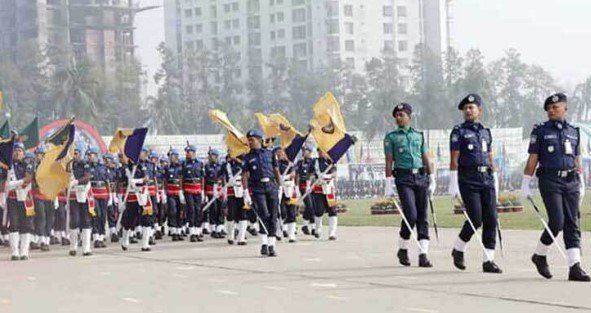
(52, 175)
(235, 140)
(328, 127)
(268, 127)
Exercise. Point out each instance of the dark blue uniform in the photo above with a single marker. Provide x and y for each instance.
(173, 175)
(475, 180)
(320, 200)
(213, 178)
(261, 164)
(19, 221)
(193, 174)
(304, 173)
(149, 169)
(236, 212)
(288, 209)
(79, 214)
(112, 210)
(132, 216)
(557, 145)
(99, 182)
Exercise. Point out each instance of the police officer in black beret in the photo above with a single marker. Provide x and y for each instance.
(554, 149)
(472, 176)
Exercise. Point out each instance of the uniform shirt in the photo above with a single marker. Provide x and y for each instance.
(193, 169)
(231, 167)
(305, 169)
(283, 165)
(213, 173)
(406, 146)
(474, 142)
(140, 172)
(80, 169)
(21, 168)
(98, 172)
(149, 168)
(556, 143)
(322, 164)
(173, 172)
(260, 163)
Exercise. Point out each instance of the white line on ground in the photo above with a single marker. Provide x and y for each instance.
(185, 268)
(276, 288)
(227, 292)
(422, 310)
(106, 273)
(180, 276)
(323, 285)
(217, 280)
(31, 278)
(132, 300)
(333, 297)
(405, 277)
(313, 260)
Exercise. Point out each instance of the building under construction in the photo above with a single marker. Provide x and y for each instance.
(101, 30)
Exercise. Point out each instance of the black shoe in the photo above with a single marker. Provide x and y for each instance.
(215, 235)
(158, 235)
(264, 250)
(65, 242)
(124, 248)
(542, 265)
(132, 240)
(146, 249)
(44, 247)
(230, 241)
(24, 258)
(305, 230)
(114, 238)
(103, 244)
(199, 238)
(316, 234)
(175, 237)
(403, 257)
(87, 254)
(152, 241)
(205, 231)
(576, 273)
(241, 243)
(72, 252)
(221, 235)
(285, 235)
(272, 252)
(15, 258)
(458, 257)
(491, 267)
(252, 231)
(53, 240)
(313, 232)
(6, 243)
(193, 238)
(278, 238)
(97, 244)
(34, 246)
(332, 238)
(291, 240)
(181, 238)
(138, 236)
(424, 261)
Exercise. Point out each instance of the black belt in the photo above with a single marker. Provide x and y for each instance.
(546, 172)
(192, 180)
(407, 171)
(98, 184)
(474, 169)
(174, 181)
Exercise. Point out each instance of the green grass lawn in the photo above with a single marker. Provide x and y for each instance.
(359, 215)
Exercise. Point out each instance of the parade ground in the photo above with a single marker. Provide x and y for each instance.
(357, 273)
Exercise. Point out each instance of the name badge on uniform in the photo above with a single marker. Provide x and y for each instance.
(470, 147)
(484, 146)
(550, 149)
(568, 147)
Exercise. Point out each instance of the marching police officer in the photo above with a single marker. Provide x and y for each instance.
(232, 171)
(471, 176)
(44, 208)
(172, 184)
(149, 193)
(554, 149)
(80, 213)
(288, 194)
(407, 160)
(193, 188)
(261, 175)
(323, 195)
(213, 180)
(20, 217)
(113, 204)
(304, 173)
(99, 186)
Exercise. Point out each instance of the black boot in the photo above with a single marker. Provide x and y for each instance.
(252, 231)
(542, 265)
(424, 261)
(193, 238)
(458, 257)
(114, 238)
(403, 257)
(152, 241)
(199, 238)
(205, 231)
(175, 237)
(305, 230)
(491, 267)
(65, 241)
(158, 235)
(264, 250)
(272, 252)
(44, 247)
(576, 273)
(132, 240)
(34, 246)
(53, 240)
(97, 244)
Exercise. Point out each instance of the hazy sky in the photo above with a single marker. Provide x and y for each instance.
(555, 34)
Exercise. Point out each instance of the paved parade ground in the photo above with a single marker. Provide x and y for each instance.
(357, 273)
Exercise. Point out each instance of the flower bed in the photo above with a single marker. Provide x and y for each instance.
(384, 206)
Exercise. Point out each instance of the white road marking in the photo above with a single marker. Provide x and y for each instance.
(180, 276)
(31, 278)
(422, 310)
(227, 292)
(325, 285)
(132, 300)
(313, 260)
(106, 273)
(333, 297)
(405, 277)
(185, 268)
(276, 288)
(217, 280)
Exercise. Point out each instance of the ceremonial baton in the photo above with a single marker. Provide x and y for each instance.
(463, 207)
(11, 176)
(500, 234)
(546, 226)
(316, 182)
(210, 202)
(130, 182)
(412, 233)
(434, 217)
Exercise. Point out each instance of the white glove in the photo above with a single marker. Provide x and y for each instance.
(203, 199)
(525, 190)
(111, 199)
(389, 189)
(137, 181)
(581, 190)
(14, 184)
(432, 185)
(496, 183)
(182, 198)
(56, 204)
(164, 198)
(73, 183)
(216, 194)
(247, 199)
(453, 188)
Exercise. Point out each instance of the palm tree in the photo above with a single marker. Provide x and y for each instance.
(77, 89)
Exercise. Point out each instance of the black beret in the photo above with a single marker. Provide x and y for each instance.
(555, 98)
(469, 99)
(405, 107)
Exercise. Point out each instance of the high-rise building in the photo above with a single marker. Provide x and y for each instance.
(101, 30)
(312, 33)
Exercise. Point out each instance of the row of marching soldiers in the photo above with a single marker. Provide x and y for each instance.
(111, 198)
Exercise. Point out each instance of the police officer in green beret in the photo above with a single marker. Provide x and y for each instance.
(408, 166)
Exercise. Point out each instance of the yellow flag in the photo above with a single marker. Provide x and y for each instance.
(328, 127)
(52, 176)
(118, 142)
(1, 101)
(269, 128)
(235, 139)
